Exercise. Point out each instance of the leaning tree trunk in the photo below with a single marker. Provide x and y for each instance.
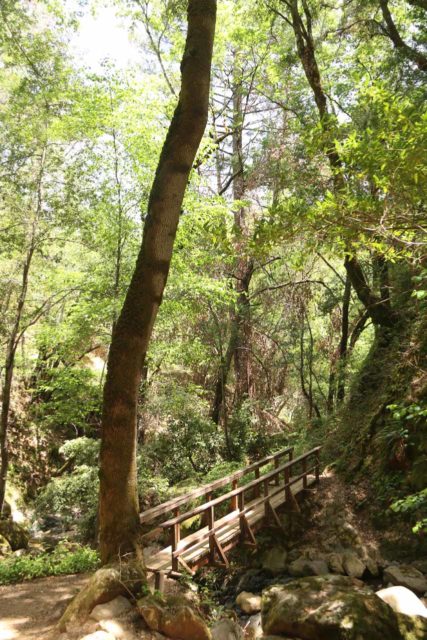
(379, 310)
(118, 504)
(343, 347)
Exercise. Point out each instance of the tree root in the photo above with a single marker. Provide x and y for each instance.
(107, 583)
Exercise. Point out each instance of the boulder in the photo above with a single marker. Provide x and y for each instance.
(403, 600)
(353, 566)
(226, 629)
(112, 609)
(255, 580)
(106, 584)
(406, 576)
(248, 602)
(412, 627)
(421, 565)
(304, 567)
(174, 617)
(119, 629)
(372, 566)
(326, 608)
(274, 560)
(335, 562)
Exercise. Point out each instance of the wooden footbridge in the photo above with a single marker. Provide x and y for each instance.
(278, 478)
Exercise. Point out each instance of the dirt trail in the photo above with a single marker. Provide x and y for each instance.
(29, 611)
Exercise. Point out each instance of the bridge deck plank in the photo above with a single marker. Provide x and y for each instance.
(227, 530)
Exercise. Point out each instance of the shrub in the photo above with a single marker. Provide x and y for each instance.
(73, 498)
(189, 446)
(61, 561)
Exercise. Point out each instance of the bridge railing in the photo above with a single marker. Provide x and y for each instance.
(238, 508)
(174, 505)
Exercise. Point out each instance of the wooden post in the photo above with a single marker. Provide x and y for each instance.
(211, 524)
(287, 488)
(304, 470)
(234, 498)
(276, 466)
(291, 454)
(317, 468)
(267, 502)
(159, 582)
(241, 501)
(204, 517)
(176, 536)
(257, 488)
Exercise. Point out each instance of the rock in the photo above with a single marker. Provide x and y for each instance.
(249, 602)
(421, 565)
(403, 600)
(303, 567)
(253, 628)
(14, 533)
(406, 576)
(372, 566)
(112, 609)
(226, 629)
(348, 532)
(118, 629)
(294, 554)
(412, 627)
(99, 635)
(255, 580)
(335, 563)
(352, 565)
(174, 617)
(326, 608)
(274, 560)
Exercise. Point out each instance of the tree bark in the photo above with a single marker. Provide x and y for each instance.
(219, 395)
(392, 32)
(118, 503)
(379, 310)
(342, 352)
(245, 267)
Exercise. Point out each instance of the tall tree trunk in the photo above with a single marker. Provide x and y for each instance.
(9, 370)
(118, 503)
(16, 333)
(342, 352)
(218, 404)
(245, 267)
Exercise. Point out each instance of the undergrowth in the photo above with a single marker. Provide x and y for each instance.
(61, 561)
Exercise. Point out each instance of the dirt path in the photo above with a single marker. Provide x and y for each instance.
(30, 610)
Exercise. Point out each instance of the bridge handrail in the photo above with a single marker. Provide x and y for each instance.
(235, 492)
(151, 514)
(183, 545)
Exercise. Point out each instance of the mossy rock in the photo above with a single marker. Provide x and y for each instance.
(328, 608)
(174, 617)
